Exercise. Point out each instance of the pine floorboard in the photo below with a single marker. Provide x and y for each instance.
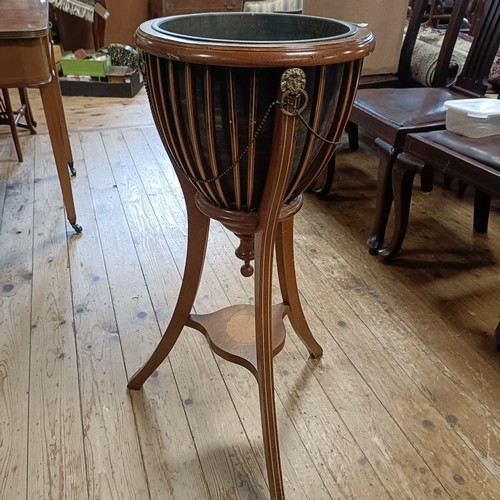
(404, 403)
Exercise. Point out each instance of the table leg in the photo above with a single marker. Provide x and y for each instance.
(198, 227)
(28, 114)
(288, 284)
(264, 242)
(11, 119)
(58, 132)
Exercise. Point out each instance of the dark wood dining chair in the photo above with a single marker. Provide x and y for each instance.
(403, 76)
(390, 115)
(474, 161)
(22, 117)
(439, 12)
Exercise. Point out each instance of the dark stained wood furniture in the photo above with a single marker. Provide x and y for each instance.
(27, 60)
(439, 12)
(390, 115)
(13, 118)
(474, 161)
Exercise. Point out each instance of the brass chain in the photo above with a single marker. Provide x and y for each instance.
(283, 104)
(240, 157)
(295, 112)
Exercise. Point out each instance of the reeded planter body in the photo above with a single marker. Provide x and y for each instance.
(212, 78)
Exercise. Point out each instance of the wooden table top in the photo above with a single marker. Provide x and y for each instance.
(24, 18)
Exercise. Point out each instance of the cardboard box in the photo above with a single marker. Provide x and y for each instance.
(127, 86)
(385, 19)
(93, 65)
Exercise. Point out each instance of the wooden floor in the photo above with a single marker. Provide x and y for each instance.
(404, 404)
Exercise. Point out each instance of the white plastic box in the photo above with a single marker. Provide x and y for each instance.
(473, 117)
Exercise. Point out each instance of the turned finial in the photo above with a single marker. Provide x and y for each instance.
(245, 252)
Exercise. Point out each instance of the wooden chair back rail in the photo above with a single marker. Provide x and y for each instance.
(415, 22)
(438, 11)
(473, 78)
(443, 63)
(455, 23)
(410, 38)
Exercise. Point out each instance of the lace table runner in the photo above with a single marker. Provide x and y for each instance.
(79, 8)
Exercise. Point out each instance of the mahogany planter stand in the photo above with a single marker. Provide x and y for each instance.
(242, 133)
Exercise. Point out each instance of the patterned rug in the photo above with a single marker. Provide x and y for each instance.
(79, 8)
(426, 53)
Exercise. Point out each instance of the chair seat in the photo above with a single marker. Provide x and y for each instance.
(473, 161)
(406, 107)
(484, 150)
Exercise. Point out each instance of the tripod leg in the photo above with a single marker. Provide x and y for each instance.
(269, 209)
(198, 226)
(288, 284)
(265, 377)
